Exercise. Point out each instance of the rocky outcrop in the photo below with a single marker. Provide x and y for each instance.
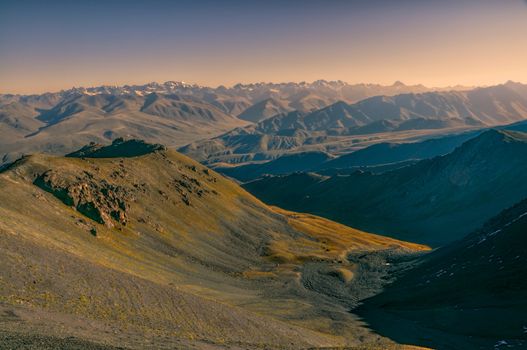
(97, 199)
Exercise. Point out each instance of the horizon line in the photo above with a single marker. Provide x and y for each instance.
(230, 86)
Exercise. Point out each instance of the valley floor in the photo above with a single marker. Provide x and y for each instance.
(336, 286)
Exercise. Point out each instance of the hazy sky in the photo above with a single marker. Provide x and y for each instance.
(50, 45)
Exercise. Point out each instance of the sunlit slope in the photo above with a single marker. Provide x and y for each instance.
(328, 239)
(159, 251)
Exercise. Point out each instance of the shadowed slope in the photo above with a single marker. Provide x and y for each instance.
(377, 158)
(284, 165)
(471, 292)
(433, 201)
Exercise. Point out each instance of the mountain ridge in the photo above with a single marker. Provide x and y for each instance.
(445, 196)
(342, 128)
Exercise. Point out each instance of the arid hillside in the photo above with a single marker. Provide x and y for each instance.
(157, 251)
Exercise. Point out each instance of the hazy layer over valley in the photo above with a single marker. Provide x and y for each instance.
(342, 127)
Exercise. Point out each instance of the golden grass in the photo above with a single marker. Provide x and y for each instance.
(345, 274)
(327, 240)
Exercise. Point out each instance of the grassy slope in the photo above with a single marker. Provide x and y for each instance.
(223, 269)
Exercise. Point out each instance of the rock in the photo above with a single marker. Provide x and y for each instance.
(96, 199)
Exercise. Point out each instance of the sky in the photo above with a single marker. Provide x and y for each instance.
(55, 44)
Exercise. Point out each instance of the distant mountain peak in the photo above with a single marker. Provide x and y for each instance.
(267, 101)
(264, 109)
(398, 83)
(512, 83)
